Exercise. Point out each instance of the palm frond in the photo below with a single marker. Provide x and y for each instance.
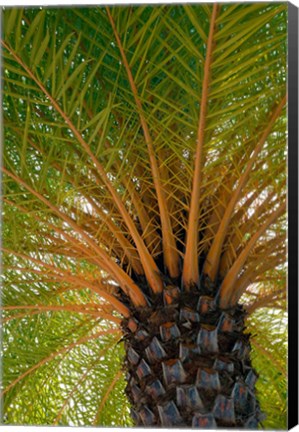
(145, 147)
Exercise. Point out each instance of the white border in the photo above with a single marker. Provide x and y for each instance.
(112, 2)
(56, 3)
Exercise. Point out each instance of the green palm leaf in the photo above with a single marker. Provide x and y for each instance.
(145, 147)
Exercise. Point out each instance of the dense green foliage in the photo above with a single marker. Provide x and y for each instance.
(67, 99)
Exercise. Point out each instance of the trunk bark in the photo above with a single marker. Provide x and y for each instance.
(188, 363)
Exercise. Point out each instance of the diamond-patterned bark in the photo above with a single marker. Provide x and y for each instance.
(188, 364)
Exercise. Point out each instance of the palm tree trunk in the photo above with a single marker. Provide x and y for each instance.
(188, 363)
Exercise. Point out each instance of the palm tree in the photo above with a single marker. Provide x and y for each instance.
(144, 201)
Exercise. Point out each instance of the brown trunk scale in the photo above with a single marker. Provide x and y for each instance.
(188, 363)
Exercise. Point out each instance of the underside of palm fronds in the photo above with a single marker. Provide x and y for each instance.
(144, 201)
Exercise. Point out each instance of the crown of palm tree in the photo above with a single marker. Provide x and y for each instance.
(144, 147)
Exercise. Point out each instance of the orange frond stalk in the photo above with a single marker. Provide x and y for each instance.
(106, 262)
(251, 274)
(190, 269)
(76, 245)
(170, 253)
(242, 211)
(149, 232)
(63, 275)
(142, 214)
(266, 301)
(95, 310)
(127, 247)
(212, 261)
(228, 284)
(247, 227)
(150, 268)
(271, 246)
(239, 215)
(219, 199)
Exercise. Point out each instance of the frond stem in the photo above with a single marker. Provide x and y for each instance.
(106, 262)
(170, 253)
(149, 265)
(212, 261)
(190, 268)
(227, 288)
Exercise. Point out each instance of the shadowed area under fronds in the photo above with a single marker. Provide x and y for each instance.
(144, 150)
